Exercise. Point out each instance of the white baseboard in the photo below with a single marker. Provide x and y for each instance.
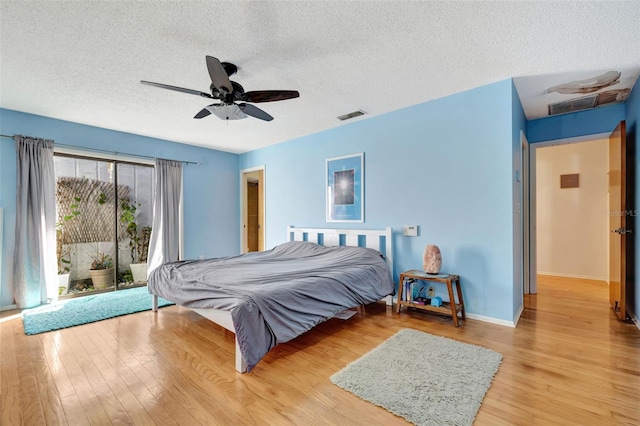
(8, 307)
(580, 277)
(492, 320)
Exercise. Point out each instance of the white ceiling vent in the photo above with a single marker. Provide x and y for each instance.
(351, 115)
(573, 105)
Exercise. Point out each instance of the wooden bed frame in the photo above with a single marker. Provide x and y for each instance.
(378, 239)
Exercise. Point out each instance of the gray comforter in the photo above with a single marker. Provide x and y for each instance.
(278, 294)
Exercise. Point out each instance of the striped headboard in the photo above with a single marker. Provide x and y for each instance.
(377, 239)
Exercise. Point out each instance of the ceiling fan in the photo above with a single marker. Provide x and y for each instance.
(233, 99)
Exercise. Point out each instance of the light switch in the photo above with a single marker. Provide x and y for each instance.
(411, 230)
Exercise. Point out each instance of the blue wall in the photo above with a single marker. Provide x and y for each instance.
(211, 213)
(589, 122)
(633, 138)
(445, 165)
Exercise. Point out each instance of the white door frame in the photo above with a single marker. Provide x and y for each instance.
(524, 217)
(533, 284)
(243, 205)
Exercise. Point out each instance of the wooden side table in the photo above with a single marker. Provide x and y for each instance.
(450, 308)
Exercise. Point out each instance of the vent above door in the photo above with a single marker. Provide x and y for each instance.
(573, 105)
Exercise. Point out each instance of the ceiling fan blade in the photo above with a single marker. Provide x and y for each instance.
(179, 89)
(268, 95)
(219, 77)
(254, 111)
(203, 113)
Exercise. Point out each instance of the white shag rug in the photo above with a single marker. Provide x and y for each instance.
(427, 379)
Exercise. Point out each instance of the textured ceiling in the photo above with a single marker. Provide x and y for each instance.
(82, 61)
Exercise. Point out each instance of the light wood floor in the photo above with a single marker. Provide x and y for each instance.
(569, 362)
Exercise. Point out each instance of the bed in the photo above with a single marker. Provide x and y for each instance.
(267, 298)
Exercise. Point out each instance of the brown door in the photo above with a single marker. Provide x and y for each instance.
(617, 220)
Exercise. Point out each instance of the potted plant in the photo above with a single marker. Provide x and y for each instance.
(63, 251)
(101, 271)
(138, 240)
(139, 269)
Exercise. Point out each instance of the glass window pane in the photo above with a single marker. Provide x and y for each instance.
(91, 218)
(134, 213)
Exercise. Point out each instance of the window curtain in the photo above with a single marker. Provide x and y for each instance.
(164, 244)
(34, 263)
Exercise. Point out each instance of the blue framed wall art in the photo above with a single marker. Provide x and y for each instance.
(345, 188)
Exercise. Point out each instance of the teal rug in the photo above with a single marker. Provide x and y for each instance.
(84, 310)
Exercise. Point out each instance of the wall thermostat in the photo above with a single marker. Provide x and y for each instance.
(411, 230)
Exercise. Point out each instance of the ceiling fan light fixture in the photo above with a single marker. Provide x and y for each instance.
(227, 112)
(353, 114)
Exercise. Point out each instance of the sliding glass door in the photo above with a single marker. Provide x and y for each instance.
(103, 217)
(134, 215)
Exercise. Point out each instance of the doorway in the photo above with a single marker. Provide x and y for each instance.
(568, 232)
(252, 209)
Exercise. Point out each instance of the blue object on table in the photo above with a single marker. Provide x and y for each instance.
(436, 301)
